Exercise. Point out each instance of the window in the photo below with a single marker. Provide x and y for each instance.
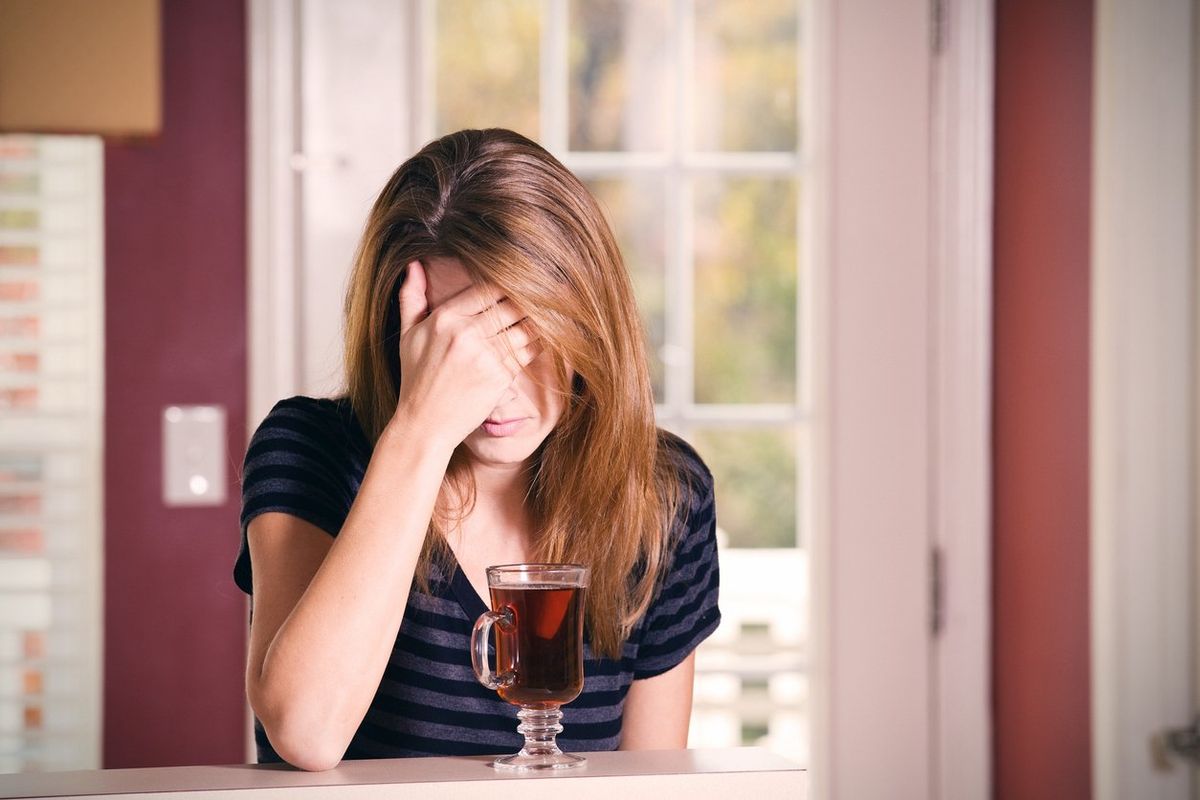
(686, 119)
(879, 448)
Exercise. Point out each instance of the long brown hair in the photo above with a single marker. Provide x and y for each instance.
(604, 485)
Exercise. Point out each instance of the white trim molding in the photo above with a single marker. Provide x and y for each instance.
(273, 324)
(963, 155)
(904, 221)
(1143, 414)
(872, 665)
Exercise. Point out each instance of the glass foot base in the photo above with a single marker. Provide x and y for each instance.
(540, 726)
(531, 762)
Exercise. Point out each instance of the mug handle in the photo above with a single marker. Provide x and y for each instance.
(479, 640)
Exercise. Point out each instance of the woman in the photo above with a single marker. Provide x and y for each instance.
(498, 410)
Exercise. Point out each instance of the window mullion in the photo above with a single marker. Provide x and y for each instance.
(806, 265)
(678, 349)
(553, 74)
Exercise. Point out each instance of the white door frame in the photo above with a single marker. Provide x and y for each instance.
(872, 653)
(273, 362)
(963, 127)
(1144, 413)
(904, 229)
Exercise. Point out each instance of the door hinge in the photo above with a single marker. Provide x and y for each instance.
(938, 28)
(1174, 744)
(937, 590)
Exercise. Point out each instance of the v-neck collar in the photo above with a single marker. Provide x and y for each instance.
(468, 598)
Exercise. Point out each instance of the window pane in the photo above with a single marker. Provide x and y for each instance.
(754, 471)
(745, 80)
(620, 69)
(745, 290)
(636, 209)
(487, 65)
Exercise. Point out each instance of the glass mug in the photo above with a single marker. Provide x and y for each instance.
(537, 611)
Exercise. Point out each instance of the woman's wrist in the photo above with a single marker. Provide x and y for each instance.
(406, 431)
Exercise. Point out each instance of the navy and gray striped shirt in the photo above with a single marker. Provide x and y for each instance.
(308, 458)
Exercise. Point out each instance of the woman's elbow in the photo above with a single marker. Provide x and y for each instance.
(309, 760)
(300, 740)
(303, 748)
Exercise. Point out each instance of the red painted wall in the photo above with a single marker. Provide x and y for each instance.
(175, 253)
(1040, 428)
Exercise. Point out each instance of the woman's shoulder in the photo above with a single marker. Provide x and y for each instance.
(692, 476)
(311, 417)
(315, 409)
(311, 430)
(687, 463)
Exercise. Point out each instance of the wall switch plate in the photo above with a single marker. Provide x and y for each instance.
(193, 455)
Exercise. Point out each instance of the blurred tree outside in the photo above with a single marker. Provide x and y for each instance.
(745, 290)
(620, 63)
(487, 65)
(745, 83)
(754, 472)
(636, 209)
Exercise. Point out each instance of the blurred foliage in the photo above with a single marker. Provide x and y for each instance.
(745, 80)
(487, 66)
(745, 290)
(618, 52)
(754, 472)
(636, 210)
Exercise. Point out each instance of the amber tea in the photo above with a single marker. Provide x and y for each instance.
(537, 617)
(542, 647)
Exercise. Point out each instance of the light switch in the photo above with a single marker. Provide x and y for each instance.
(193, 455)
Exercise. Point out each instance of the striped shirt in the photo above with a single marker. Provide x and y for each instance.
(308, 458)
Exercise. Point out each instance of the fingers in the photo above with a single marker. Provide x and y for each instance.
(413, 303)
(471, 301)
(518, 358)
(516, 336)
(487, 308)
(529, 352)
(500, 317)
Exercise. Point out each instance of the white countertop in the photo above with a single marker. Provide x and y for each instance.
(661, 774)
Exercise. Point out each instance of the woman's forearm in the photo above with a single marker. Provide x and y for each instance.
(657, 710)
(325, 661)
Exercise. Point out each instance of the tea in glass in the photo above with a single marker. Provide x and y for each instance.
(537, 613)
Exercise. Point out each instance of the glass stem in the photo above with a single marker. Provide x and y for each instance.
(540, 727)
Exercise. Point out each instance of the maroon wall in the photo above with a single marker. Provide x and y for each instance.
(175, 253)
(1040, 429)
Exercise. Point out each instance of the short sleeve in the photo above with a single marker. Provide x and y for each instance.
(300, 462)
(685, 610)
